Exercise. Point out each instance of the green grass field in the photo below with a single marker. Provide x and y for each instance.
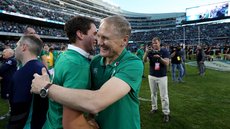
(3, 110)
(199, 103)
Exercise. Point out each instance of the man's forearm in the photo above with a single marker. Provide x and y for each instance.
(165, 61)
(145, 57)
(173, 54)
(81, 100)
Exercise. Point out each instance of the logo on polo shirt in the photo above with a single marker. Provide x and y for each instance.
(95, 70)
(9, 62)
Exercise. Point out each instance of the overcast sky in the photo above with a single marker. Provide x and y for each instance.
(160, 6)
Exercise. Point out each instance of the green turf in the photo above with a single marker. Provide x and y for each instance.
(199, 103)
(3, 110)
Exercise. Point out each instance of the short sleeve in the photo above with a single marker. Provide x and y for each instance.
(131, 72)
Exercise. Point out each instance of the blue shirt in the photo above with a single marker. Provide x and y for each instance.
(152, 61)
(7, 69)
(29, 109)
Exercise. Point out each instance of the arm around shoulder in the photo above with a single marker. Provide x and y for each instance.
(90, 101)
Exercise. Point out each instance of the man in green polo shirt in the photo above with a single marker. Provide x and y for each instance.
(72, 70)
(116, 80)
(140, 53)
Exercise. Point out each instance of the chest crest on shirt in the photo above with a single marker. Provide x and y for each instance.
(95, 70)
(9, 62)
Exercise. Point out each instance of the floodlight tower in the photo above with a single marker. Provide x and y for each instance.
(184, 34)
(198, 34)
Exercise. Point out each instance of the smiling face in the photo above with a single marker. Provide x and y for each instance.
(112, 37)
(89, 39)
(110, 42)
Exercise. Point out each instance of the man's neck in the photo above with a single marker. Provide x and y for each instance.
(27, 59)
(110, 60)
(80, 46)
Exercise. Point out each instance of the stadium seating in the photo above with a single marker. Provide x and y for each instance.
(144, 27)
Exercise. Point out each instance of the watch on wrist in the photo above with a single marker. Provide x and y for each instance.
(44, 91)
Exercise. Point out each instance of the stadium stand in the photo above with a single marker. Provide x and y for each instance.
(47, 17)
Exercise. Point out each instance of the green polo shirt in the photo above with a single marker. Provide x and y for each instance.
(72, 71)
(140, 53)
(42, 54)
(123, 114)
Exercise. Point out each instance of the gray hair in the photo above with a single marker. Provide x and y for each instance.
(120, 23)
(35, 44)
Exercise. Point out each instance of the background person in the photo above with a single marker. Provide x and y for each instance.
(158, 61)
(7, 70)
(28, 111)
(200, 58)
(176, 61)
(140, 53)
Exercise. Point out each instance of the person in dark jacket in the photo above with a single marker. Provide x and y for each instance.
(200, 58)
(28, 111)
(7, 69)
(176, 60)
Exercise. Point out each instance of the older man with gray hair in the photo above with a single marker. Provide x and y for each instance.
(7, 69)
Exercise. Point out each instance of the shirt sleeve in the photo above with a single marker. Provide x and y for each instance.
(131, 72)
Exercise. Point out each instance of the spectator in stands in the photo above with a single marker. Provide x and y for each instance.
(63, 48)
(116, 79)
(29, 30)
(218, 53)
(7, 46)
(226, 53)
(209, 54)
(27, 110)
(158, 61)
(200, 58)
(7, 70)
(140, 53)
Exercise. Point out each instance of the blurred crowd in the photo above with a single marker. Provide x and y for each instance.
(34, 9)
(52, 10)
(191, 35)
(188, 35)
(13, 27)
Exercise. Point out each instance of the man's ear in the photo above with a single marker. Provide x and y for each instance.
(79, 34)
(24, 47)
(125, 40)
